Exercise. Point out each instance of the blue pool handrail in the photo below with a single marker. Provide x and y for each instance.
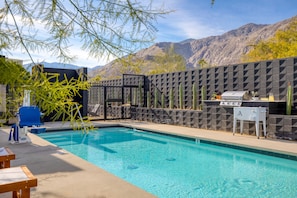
(29, 116)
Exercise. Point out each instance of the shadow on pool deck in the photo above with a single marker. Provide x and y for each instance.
(63, 175)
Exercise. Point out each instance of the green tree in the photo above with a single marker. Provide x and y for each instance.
(130, 65)
(14, 81)
(104, 28)
(203, 63)
(282, 45)
(168, 62)
(47, 92)
(96, 78)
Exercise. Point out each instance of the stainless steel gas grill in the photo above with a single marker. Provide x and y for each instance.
(242, 107)
(234, 98)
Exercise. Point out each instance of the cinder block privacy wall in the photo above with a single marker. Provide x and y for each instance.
(265, 77)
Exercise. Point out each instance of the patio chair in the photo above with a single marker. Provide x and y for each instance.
(94, 110)
(29, 116)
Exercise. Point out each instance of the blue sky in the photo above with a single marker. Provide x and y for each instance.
(198, 19)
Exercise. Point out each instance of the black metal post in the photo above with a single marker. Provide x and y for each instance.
(105, 103)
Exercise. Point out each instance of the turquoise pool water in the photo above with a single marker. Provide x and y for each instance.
(171, 167)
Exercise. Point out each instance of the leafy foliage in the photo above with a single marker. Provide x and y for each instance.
(130, 65)
(15, 77)
(52, 95)
(47, 92)
(105, 28)
(168, 62)
(203, 63)
(11, 73)
(282, 45)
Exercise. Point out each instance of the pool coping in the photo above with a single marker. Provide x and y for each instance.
(260, 150)
(231, 144)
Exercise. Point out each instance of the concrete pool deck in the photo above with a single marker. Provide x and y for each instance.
(63, 175)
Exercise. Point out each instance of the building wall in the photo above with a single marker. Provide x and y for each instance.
(71, 73)
(264, 77)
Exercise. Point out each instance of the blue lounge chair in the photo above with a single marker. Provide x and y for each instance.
(29, 116)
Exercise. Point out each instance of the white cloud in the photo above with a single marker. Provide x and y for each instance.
(82, 57)
(189, 20)
(190, 26)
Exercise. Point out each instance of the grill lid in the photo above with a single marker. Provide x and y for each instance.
(234, 98)
(236, 95)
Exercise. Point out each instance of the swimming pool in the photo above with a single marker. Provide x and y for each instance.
(168, 166)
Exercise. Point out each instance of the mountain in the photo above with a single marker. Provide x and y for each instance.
(224, 49)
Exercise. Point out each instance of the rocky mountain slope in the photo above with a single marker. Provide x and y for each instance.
(224, 49)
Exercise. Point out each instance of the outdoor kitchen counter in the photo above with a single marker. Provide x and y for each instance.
(274, 107)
